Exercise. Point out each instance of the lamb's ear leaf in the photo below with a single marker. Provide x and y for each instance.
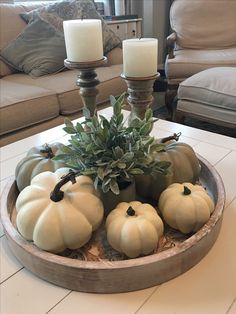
(100, 173)
(120, 119)
(69, 126)
(104, 121)
(61, 157)
(117, 106)
(120, 100)
(121, 165)
(79, 127)
(136, 171)
(163, 167)
(112, 100)
(68, 123)
(68, 150)
(105, 188)
(88, 172)
(86, 113)
(95, 121)
(105, 182)
(128, 157)
(96, 181)
(146, 128)
(148, 114)
(69, 130)
(158, 147)
(114, 187)
(135, 123)
(164, 164)
(118, 152)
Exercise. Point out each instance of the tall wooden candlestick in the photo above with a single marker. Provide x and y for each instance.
(87, 81)
(140, 91)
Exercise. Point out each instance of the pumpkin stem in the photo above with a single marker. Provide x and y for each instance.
(186, 191)
(175, 137)
(57, 195)
(48, 151)
(130, 211)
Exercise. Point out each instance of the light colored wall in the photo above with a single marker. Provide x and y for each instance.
(155, 14)
(137, 7)
(148, 18)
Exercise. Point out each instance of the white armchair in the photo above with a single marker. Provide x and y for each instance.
(204, 36)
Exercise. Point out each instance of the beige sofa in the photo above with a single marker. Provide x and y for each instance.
(29, 105)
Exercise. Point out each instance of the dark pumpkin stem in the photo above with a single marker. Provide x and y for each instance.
(130, 211)
(57, 195)
(48, 151)
(175, 137)
(186, 191)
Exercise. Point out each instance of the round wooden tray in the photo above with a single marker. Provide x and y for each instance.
(97, 268)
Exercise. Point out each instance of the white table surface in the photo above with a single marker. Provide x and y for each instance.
(208, 288)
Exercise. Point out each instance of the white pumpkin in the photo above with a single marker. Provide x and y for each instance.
(53, 223)
(185, 207)
(134, 228)
(37, 160)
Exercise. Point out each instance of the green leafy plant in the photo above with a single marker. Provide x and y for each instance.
(110, 152)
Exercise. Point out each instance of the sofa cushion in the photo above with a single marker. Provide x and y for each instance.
(23, 105)
(56, 13)
(215, 86)
(63, 84)
(47, 55)
(210, 93)
(204, 24)
(189, 61)
(207, 112)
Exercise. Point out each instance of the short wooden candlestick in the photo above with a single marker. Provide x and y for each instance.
(87, 81)
(140, 91)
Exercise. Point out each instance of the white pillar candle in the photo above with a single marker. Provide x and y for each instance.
(83, 39)
(140, 57)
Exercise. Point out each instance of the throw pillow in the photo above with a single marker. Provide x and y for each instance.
(38, 50)
(56, 13)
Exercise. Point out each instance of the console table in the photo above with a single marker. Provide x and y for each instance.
(126, 29)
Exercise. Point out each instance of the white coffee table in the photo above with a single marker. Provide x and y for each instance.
(207, 288)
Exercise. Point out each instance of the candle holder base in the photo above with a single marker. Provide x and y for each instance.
(87, 81)
(140, 97)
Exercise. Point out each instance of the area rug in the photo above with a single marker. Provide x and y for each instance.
(162, 113)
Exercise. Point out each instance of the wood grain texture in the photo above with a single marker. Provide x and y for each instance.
(105, 276)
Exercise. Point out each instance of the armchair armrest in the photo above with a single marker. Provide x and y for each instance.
(170, 43)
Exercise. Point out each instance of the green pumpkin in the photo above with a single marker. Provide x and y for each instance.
(37, 160)
(184, 167)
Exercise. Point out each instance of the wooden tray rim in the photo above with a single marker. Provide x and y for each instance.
(12, 232)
